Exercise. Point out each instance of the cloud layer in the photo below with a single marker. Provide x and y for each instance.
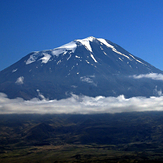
(153, 76)
(80, 105)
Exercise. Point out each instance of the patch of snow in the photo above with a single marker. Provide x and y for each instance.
(69, 57)
(91, 38)
(77, 73)
(93, 58)
(101, 48)
(112, 47)
(14, 70)
(69, 46)
(137, 59)
(87, 61)
(32, 58)
(64, 52)
(120, 59)
(86, 42)
(58, 62)
(57, 52)
(77, 56)
(104, 53)
(20, 80)
(46, 58)
(63, 49)
(88, 79)
(41, 95)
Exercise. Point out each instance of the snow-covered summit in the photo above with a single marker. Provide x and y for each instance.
(70, 48)
(90, 66)
(86, 42)
(91, 38)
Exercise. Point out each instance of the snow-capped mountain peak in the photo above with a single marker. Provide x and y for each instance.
(69, 48)
(90, 66)
(86, 42)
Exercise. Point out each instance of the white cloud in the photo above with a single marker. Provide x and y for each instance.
(80, 105)
(88, 79)
(154, 76)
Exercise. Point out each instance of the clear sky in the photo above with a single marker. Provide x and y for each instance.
(34, 25)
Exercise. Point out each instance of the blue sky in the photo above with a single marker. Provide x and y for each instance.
(34, 25)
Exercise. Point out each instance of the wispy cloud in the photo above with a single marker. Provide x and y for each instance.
(154, 76)
(80, 105)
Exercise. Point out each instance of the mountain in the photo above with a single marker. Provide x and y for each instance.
(90, 66)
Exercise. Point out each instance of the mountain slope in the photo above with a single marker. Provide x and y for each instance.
(89, 66)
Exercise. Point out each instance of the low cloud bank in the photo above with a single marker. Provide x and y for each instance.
(80, 105)
(154, 76)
